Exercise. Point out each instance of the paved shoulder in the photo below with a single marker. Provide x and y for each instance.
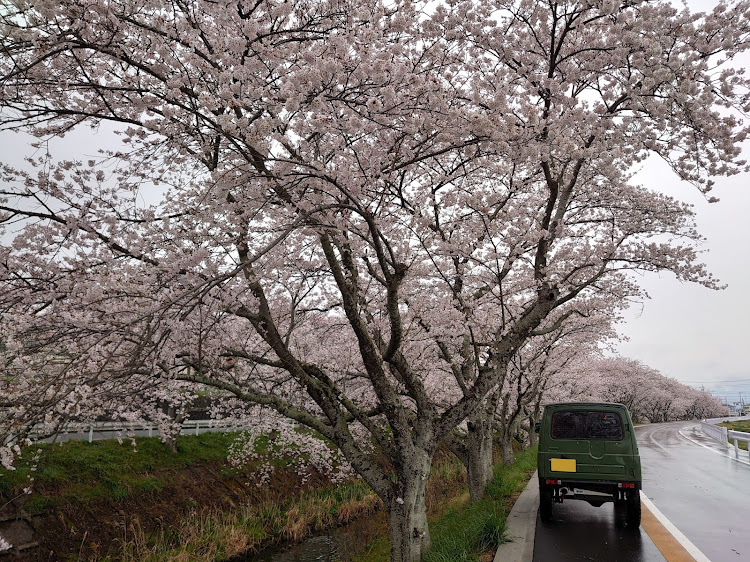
(521, 526)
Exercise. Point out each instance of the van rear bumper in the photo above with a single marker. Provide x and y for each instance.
(589, 490)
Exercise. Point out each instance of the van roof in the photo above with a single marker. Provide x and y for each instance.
(616, 404)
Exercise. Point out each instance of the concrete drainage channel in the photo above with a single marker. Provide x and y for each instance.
(17, 527)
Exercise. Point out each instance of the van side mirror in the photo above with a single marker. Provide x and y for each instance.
(537, 427)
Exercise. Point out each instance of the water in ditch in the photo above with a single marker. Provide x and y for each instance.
(325, 548)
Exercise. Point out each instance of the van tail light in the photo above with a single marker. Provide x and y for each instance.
(552, 482)
(629, 485)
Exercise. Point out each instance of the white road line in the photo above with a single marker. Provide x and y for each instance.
(714, 450)
(682, 539)
(655, 442)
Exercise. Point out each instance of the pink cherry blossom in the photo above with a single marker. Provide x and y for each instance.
(350, 217)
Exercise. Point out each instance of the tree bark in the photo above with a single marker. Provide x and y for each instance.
(407, 511)
(172, 429)
(479, 454)
(534, 418)
(533, 435)
(506, 448)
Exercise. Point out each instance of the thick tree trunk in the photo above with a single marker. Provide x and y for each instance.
(478, 455)
(534, 418)
(533, 435)
(407, 511)
(506, 448)
(171, 430)
(479, 445)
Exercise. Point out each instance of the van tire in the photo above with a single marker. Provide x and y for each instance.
(545, 503)
(634, 510)
(621, 513)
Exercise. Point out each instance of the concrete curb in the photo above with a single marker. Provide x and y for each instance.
(521, 526)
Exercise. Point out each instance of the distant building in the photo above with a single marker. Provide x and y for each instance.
(738, 409)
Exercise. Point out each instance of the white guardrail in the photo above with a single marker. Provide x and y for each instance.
(124, 429)
(723, 434)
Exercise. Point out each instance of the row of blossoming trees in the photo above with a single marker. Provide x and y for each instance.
(356, 215)
(649, 395)
(569, 366)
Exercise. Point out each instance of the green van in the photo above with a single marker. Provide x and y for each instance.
(588, 451)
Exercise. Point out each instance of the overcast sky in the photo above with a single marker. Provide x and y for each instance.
(694, 334)
(686, 331)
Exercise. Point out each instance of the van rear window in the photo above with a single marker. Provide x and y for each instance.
(586, 425)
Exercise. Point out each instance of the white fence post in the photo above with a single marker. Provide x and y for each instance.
(723, 435)
(716, 432)
(108, 427)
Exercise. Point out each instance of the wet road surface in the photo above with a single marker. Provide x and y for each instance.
(583, 532)
(699, 486)
(692, 480)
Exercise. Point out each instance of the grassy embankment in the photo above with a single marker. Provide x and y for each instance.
(740, 425)
(470, 532)
(77, 471)
(98, 478)
(189, 505)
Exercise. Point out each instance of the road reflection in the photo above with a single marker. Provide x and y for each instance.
(699, 486)
(580, 531)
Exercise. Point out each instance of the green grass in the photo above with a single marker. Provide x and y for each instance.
(210, 535)
(77, 473)
(465, 530)
(740, 425)
(107, 469)
(80, 472)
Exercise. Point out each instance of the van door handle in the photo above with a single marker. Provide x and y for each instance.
(554, 448)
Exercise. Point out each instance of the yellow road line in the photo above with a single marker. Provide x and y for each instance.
(673, 545)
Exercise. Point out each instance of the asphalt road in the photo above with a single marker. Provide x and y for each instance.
(699, 486)
(580, 531)
(695, 482)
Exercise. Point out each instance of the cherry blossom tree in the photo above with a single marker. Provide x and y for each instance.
(662, 399)
(649, 395)
(700, 404)
(545, 359)
(523, 387)
(625, 381)
(366, 209)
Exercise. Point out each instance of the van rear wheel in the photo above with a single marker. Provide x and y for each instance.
(621, 513)
(628, 511)
(634, 510)
(545, 503)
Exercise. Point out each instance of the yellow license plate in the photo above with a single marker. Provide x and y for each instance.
(563, 465)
